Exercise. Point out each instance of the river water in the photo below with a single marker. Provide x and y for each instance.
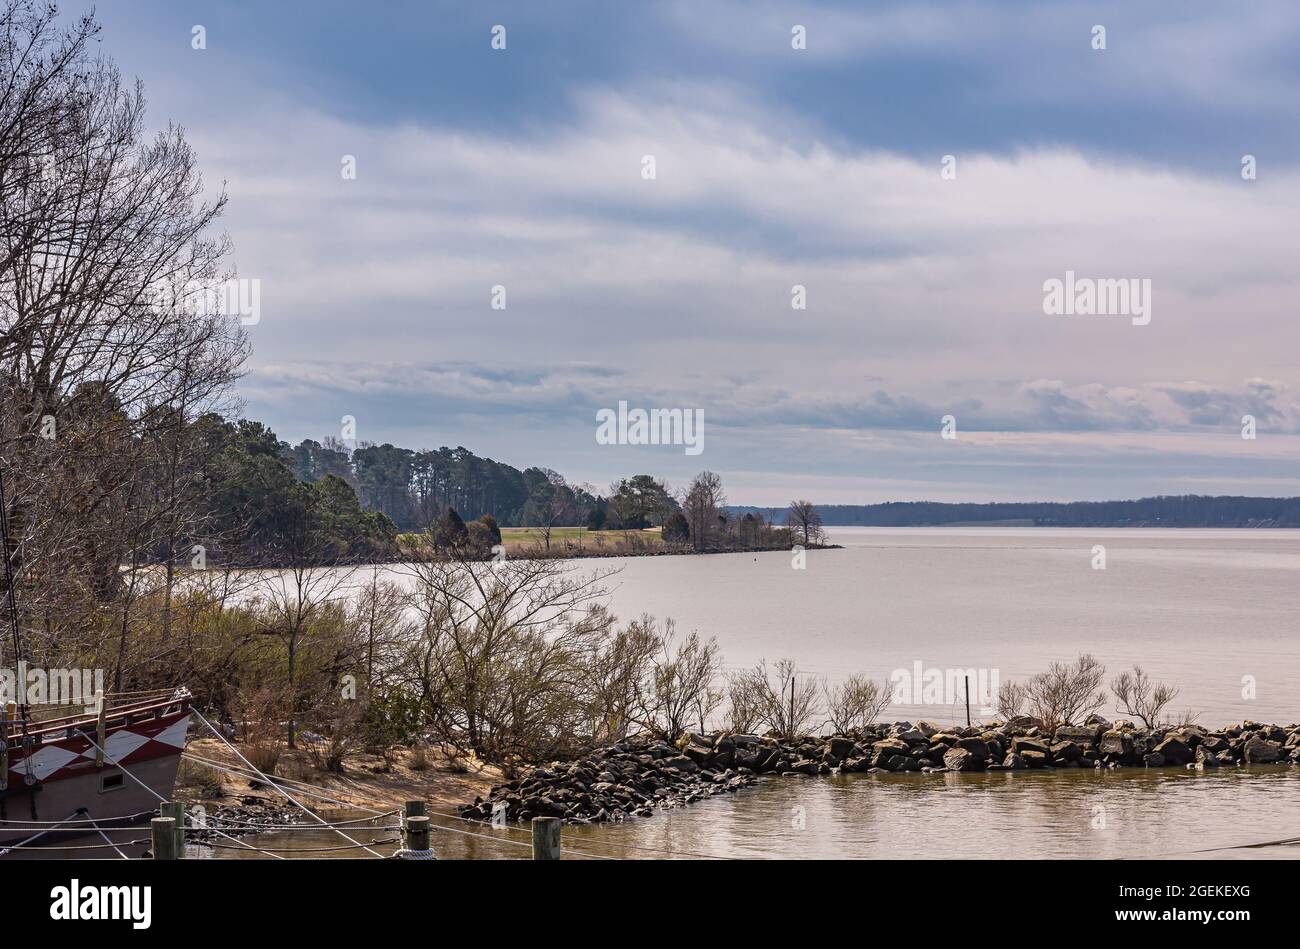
(1213, 611)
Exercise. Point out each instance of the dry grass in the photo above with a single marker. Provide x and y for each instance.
(413, 775)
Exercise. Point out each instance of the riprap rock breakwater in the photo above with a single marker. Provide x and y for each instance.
(634, 777)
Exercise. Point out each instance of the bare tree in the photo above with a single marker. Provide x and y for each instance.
(616, 678)
(702, 504)
(789, 700)
(1067, 692)
(855, 703)
(95, 367)
(1012, 698)
(503, 650)
(746, 703)
(805, 523)
(1142, 698)
(681, 681)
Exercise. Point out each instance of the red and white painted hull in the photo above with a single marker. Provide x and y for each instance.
(58, 780)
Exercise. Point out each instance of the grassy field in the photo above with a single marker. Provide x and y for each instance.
(521, 539)
(577, 540)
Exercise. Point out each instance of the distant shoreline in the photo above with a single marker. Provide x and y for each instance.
(1196, 511)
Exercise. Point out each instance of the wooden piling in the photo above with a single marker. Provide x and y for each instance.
(163, 831)
(11, 712)
(417, 832)
(546, 838)
(176, 811)
(101, 712)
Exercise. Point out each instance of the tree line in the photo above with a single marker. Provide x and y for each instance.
(1188, 510)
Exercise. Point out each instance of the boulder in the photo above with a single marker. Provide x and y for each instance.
(1175, 750)
(927, 729)
(1154, 760)
(1066, 751)
(1115, 742)
(976, 746)
(1034, 759)
(1262, 751)
(891, 746)
(1205, 758)
(1036, 745)
(838, 748)
(1083, 735)
(962, 759)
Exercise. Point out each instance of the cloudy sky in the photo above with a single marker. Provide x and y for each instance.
(774, 167)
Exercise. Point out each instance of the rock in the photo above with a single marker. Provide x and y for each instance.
(1034, 759)
(976, 746)
(927, 729)
(1036, 745)
(1097, 720)
(1262, 751)
(1066, 751)
(1154, 760)
(891, 746)
(1174, 750)
(1014, 762)
(1205, 758)
(805, 766)
(1116, 743)
(1084, 735)
(839, 748)
(962, 759)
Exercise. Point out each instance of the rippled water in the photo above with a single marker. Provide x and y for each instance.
(1212, 611)
(1074, 814)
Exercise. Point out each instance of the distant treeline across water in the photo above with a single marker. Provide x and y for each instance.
(1188, 510)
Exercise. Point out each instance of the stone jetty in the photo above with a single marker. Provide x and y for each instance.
(642, 774)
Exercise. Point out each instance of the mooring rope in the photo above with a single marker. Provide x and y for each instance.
(298, 786)
(304, 808)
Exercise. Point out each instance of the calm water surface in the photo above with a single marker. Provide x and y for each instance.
(1210, 610)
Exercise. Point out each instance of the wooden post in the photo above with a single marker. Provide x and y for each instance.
(546, 838)
(163, 830)
(176, 811)
(101, 708)
(10, 711)
(414, 809)
(967, 678)
(417, 832)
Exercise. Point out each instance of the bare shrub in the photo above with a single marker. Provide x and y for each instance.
(789, 701)
(1012, 698)
(746, 703)
(680, 687)
(502, 658)
(1067, 692)
(264, 754)
(1142, 698)
(855, 703)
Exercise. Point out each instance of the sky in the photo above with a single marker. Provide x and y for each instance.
(921, 169)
